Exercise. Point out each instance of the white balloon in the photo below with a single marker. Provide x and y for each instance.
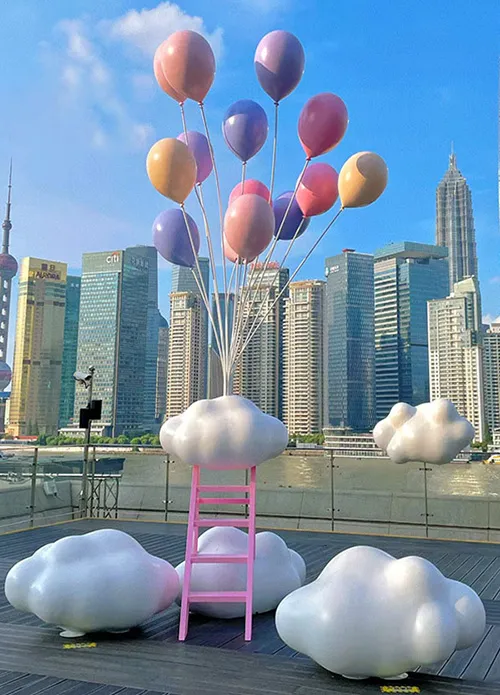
(228, 432)
(100, 581)
(278, 570)
(369, 614)
(432, 432)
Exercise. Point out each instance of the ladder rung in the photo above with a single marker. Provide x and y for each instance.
(218, 596)
(241, 522)
(223, 500)
(223, 488)
(208, 559)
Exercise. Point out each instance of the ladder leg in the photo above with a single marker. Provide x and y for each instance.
(190, 543)
(251, 555)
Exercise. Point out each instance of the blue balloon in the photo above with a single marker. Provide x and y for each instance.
(172, 240)
(294, 218)
(245, 128)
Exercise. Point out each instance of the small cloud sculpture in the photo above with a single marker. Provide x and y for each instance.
(432, 432)
(370, 615)
(100, 581)
(226, 432)
(278, 570)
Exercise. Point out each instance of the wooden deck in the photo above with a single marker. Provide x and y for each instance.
(216, 660)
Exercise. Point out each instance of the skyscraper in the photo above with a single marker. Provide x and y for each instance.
(259, 373)
(71, 318)
(304, 358)
(407, 276)
(38, 351)
(183, 280)
(456, 352)
(455, 224)
(113, 336)
(350, 340)
(491, 361)
(8, 269)
(150, 254)
(161, 369)
(186, 376)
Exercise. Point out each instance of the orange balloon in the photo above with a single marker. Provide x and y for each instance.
(160, 77)
(362, 180)
(188, 64)
(171, 169)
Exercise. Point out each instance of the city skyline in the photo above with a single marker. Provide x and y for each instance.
(99, 197)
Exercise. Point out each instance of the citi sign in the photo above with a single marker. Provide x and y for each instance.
(113, 257)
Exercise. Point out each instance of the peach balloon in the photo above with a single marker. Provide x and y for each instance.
(188, 64)
(160, 77)
(232, 256)
(171, 169)
(362, 180)
(249, 225)
(249, 186)
(318, 190)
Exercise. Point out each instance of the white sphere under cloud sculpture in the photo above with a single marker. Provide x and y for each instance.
(278, 570)
(226, 432)
(100, 581)
(370, 615)
(432, 432)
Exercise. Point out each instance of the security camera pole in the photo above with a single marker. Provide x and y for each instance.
(84, 501)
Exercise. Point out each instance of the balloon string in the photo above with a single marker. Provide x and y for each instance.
(271, 250)
(199, 196)
(201, 201)
(269, 286)
(275, 151)
(234, 316)
(219, 200)
(243, 176)
(199, 278)
(239, 313)
(286, 286)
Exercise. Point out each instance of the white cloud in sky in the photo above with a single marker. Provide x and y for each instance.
(88, 83)
(146, 29)
(495, 280)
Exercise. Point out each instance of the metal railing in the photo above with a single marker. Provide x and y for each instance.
(330, 502)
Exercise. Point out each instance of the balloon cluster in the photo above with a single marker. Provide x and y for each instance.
(254, 222)
(184, 66)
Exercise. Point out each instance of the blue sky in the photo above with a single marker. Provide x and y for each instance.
(80, 110)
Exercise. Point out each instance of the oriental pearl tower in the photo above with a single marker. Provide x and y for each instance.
(8, 269)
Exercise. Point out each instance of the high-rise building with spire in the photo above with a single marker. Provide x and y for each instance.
(455, 223)
(8, 269)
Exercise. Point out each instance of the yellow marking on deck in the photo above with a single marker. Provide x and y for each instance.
(80, 645)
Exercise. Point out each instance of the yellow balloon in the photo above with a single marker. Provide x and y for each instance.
(362, 180)
(171, 169)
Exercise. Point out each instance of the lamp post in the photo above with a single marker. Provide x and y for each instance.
(86, 380)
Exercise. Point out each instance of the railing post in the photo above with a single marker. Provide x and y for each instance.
(332, 488)
(426, 501)
(167, 485)
(85, 472)
(33, 487)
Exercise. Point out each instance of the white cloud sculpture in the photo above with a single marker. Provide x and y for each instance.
(278, 570)
(100, 581)
(370, 615)
(432, 432)
(226, 432)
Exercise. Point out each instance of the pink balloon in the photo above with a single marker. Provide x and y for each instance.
(160, 75)
(318, 189)
(322, 124)
(231, 255)
(250, 186)
(249, 225)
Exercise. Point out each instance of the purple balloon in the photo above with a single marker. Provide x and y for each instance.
(171, 237)
(294, 219)
(198, 146)
(279, 63)
(245, 128)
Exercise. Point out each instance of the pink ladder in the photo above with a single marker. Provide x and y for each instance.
(193, 557)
